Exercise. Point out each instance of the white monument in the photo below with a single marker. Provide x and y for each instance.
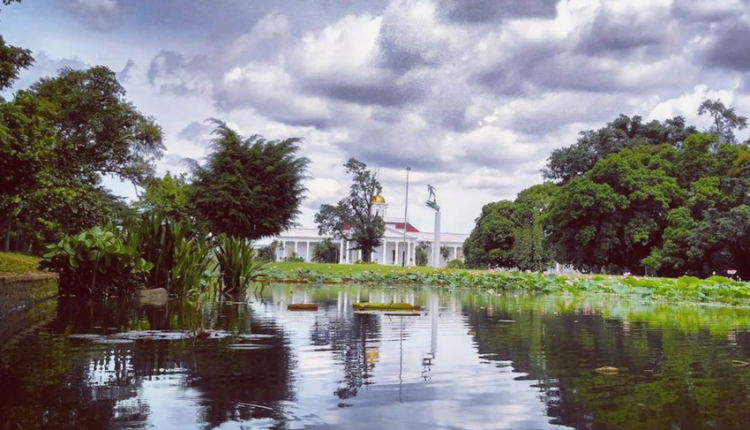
(437, 258)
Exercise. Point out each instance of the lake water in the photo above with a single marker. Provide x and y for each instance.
(470, 360)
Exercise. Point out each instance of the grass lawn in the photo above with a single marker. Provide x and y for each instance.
(12, 263)
(345, 270)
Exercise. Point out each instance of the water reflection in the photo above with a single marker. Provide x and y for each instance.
(472, 360)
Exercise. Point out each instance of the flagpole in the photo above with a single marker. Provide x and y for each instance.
(406, 213)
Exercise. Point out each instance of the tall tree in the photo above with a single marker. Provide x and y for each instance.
(249, 187)
(726, 120)
(353, 218)
(58, 139)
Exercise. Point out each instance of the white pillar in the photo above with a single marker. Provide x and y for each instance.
(341, 254)
(294, 252)
(455, 253)
(398, 254)
(308, 252)
(436, 257)
(359, 255)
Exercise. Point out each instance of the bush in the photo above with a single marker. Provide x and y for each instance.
(455, 264)
(294, 258)
(268, 253)
(97, 262)
(420, 254)
(238, 266)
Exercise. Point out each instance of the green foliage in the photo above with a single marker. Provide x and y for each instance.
(326, 252)
(567, 163)
(58, 139)
(170, 196)
(294, 258)
(353, 217)
(420, 254)
(268, 253)
(158, 238)
(191, 270)
(12, 60)
(611, 218)
(530, 251)
(491, 240)
(237, 264)
(509, 234)
(455, 264)
(249, 188)
(97, 262)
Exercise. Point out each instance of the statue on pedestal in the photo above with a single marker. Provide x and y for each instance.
(432, 200)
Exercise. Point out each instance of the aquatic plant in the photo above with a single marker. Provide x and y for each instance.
(237, 264)
(97, 262)
(687, 288)
(157, 237)
(192, 259)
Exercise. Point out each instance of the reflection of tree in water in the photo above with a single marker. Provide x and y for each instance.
(671, 377)
(72, 383)
(348, 339)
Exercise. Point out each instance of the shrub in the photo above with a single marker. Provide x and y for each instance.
(97, 262)
(455, 264)
(238, 266)
(268, 253)
(420, 254)
(294, 258)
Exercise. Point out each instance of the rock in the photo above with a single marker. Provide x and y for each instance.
(153, 297)
(607, 370)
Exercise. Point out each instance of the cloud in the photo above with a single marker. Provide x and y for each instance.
(473, 94)
(482, 11)
(727, 47)
(96, 14)
(124, 74)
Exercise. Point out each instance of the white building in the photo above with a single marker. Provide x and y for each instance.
(301, 241)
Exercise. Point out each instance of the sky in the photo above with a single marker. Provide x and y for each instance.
(473, 95)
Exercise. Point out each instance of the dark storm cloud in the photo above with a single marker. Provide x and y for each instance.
(482, 11)
(618, 32)
(728, 47)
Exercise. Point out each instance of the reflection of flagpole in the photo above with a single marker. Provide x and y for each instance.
(401, 361)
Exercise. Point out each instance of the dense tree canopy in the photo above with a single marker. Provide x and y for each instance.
(249, 187)
(353, 217)
(511, 234)
(58, 139)
(564, 164)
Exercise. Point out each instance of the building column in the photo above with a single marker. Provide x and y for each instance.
(308, 252)
(341, 253)
(359, 255)
(294, 251)
(455, 253)
(409, 256)
(398, 255)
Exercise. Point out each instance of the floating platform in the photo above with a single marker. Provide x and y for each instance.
(374, 306)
